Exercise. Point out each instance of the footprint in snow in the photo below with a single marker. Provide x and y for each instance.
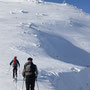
(36, 45)
(35, 35)
(23, 11)
(12, 12)
(28, 25)
(41, 14)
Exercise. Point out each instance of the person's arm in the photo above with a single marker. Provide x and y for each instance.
(18, 63)
(36, 70)
(23, 72)
(36, 73)
(11, 62)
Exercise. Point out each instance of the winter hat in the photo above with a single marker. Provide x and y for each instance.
(15, 57)
(30, 59)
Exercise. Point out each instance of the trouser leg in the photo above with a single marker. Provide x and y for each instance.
(27, 85)
(32, 84)
(14, 72)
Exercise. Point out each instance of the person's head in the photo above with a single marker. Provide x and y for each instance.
(30, 59)
(15, 57)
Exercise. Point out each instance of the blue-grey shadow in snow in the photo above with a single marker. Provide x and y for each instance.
(61, 49)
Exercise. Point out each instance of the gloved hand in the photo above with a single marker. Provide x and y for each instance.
(36, 77)
(23, 74)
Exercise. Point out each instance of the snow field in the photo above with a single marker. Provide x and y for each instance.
(55, 35)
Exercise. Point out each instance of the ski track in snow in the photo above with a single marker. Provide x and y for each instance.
(44, 32)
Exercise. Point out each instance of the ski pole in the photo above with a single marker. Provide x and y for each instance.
(8, 70)
(19, 70)
(37, 85)
(23, 84)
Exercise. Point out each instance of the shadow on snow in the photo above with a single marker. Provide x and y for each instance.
(59, 48)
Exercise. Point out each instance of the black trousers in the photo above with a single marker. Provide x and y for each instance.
(30, 82)
(14, 72)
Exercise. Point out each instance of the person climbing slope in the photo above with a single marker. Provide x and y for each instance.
(15, 63)
(30, 74)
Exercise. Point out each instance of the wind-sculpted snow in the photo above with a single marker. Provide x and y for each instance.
(61, 49)
(56, 36)
(21, 0)
(65, 80)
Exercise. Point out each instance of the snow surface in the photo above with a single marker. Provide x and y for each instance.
(56, 36)
(34, 1)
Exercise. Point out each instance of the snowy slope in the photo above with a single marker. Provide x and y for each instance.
(55, 35)
(34, 1)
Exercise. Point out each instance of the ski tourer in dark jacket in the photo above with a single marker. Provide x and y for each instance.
(30, 74)
(15, 63)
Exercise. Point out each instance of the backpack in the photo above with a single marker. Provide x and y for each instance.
(30, 69)
(14, 62)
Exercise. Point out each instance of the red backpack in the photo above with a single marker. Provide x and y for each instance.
(14, 62)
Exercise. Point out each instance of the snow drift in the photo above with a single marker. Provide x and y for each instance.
(56, 36)
(21, 0)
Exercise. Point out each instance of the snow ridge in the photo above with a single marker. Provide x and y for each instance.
(56, 36)
(35, 1)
